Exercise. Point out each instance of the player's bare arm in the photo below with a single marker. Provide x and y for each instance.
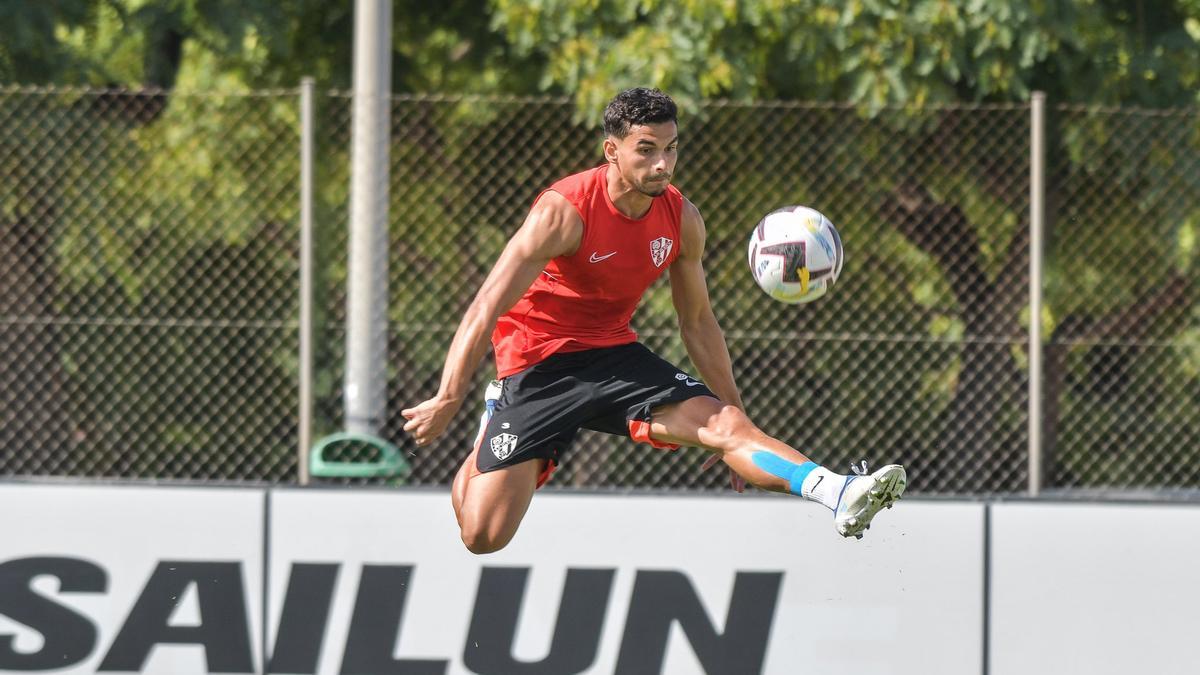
(552, 228)
(698, 326)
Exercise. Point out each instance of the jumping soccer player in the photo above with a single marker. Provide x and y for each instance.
(557, 307)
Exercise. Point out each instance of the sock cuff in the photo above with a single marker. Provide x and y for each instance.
(801, 472)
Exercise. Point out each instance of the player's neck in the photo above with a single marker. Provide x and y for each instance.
(630, 202)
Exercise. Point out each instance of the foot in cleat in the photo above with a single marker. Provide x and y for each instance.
(865, 494)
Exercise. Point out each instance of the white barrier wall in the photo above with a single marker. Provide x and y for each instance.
(603, 584)
(130, 579)
(1101, 589)
(370, 582)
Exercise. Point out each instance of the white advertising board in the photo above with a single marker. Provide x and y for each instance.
(130, 579)
(379, 582)
(1101, 589)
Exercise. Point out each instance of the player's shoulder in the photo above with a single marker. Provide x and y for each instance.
(689, 216)
(554, 207)
(555, 222)
(553, 200)
(577, 185)
(691, 230)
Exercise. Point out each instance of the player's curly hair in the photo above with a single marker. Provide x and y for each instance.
(637, 106)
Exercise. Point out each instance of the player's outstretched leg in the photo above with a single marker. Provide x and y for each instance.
(770, 464)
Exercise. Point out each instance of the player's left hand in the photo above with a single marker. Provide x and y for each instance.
(735, 481)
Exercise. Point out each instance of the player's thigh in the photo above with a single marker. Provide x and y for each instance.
(494, 503)
(702, 421)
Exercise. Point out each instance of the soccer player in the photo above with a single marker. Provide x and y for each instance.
(557, 306)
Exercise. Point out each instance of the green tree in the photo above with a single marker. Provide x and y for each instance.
(113, 200)
(873, 52)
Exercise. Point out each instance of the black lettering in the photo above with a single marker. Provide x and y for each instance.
(576, 630)
(376, 623)
(69, 637)
(660, 597)
(224, 628)
(302, 622)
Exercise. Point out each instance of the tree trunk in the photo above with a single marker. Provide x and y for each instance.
(972, 452)
(1128, 323)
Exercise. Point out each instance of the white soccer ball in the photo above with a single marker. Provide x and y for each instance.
(795, 254)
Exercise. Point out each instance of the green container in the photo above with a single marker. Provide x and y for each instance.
(391, 462)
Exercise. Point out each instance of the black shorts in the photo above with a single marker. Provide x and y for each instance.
(536, 413)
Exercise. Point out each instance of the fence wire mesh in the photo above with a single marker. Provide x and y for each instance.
(148, 293)
(1122, 374)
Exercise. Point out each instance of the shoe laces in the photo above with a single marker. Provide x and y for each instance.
(857, 471)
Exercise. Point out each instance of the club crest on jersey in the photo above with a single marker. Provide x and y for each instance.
(659, 250)
(503, 445)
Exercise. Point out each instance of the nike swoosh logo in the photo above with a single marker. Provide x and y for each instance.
(598, 258)
(691, 383)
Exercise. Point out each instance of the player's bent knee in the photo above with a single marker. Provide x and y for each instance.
(728, 425)
(483, 538)
(480, 542)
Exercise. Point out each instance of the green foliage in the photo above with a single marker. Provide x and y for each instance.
(871, 52)
(32, 50)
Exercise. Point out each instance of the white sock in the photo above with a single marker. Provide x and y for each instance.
(823, 486)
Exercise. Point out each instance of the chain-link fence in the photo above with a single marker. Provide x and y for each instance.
(1122, 378)
(147, 293)
(148, 283)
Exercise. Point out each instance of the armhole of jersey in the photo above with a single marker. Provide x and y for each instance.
(583, 237)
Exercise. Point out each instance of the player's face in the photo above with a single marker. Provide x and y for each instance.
(646, 157)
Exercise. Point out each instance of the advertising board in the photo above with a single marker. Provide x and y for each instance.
(378, 582)
(130, 579)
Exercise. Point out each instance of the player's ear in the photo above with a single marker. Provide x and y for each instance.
(610, 149)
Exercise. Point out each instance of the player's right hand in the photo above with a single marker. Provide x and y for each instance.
(429, 419)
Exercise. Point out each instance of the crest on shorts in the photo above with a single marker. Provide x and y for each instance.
(503, 445)
(659, 250)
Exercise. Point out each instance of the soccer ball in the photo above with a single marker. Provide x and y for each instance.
(795, 254)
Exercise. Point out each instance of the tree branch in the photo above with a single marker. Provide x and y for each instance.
(1130, 321)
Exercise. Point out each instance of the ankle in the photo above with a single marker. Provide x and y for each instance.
(823, 487)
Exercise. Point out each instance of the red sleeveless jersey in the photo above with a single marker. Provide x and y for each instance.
(585, 300)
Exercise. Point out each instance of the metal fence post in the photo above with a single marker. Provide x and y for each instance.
(1037, 193)
(367, 297)
(307, 129)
